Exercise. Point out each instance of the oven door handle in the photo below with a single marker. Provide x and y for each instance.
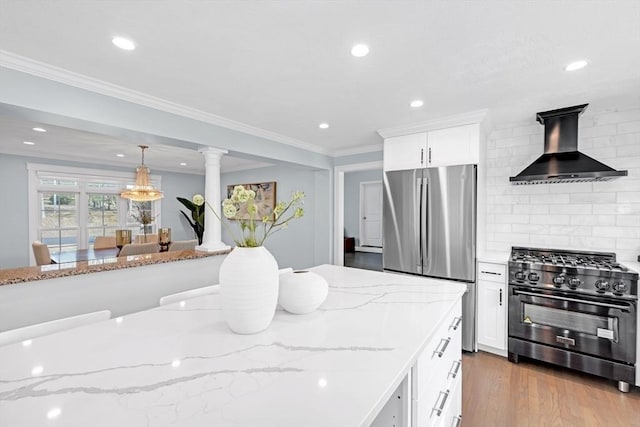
(601, 304)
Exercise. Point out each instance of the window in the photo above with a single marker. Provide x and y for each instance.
(70, 207)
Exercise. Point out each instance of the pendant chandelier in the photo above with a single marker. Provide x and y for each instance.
(143, 191)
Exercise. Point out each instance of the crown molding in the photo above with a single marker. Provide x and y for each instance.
(470, 117)
(361, 149)
(61, 75)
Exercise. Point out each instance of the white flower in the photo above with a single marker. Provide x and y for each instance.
(227, 202)
(198, 200)
(243, 196)
(298, 195)
(252, 194)
(229, 211)
(238, 189)
(299, 213)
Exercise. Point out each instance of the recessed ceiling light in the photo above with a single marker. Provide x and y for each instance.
(323, 125)
(39, 129)
(576, 65)
(360, 50)
(417, 103)
(28, 143)
(123, 43)
(183, 164)
(119, 155)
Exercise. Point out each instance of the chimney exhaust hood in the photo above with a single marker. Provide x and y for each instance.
(561, 161)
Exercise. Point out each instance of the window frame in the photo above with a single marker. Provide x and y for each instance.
(84, 176)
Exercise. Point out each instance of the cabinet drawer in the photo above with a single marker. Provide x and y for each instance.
(434, 362)
(451, 415)
(492, 272)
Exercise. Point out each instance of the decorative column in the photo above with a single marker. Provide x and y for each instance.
(212, 238)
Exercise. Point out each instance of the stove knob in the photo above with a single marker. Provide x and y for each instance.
(519, 275)
(534, 277)
(558, 281)
(602, 285)
(574, 282)
(620, 287)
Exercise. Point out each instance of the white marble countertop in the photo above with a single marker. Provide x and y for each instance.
(179, 365)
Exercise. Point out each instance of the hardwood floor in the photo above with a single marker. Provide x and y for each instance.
(364, 260)
(498, 393)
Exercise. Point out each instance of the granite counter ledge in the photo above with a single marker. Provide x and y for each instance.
(30, 274)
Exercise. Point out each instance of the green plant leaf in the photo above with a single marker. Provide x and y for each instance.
(187, 203)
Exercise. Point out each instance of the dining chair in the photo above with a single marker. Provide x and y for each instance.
(149, 238)
(139, 249)
(41, 253)
(183, 245)
(191, 293)
(104, 242)
(46, 328)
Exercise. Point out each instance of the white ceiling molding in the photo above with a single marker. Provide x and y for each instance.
(476, 116)
(358, 150)
(61, 75)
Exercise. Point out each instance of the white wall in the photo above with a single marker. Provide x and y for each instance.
(14, 221)
(307, 240)
(123, 291)
(352, 182)
(602, 216)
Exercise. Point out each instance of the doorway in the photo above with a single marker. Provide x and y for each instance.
(370, 217)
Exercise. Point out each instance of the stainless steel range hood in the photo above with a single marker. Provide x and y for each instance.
(561, 161)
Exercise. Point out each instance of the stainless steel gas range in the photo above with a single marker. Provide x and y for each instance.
(574, 309)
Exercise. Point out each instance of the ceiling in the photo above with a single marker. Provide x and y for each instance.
(74, 145)
(285, 66)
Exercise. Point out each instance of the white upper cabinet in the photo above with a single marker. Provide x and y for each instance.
(454, 146)
(458, 145)
(405, 152)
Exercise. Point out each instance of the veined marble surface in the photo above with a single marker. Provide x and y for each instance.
(179, 365)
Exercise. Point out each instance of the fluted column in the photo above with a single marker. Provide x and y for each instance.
(212, 237)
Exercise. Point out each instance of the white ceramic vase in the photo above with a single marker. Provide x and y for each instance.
(302, 292)
(249, 289)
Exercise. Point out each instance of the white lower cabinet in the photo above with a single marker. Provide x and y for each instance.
(492, 308)
(437, 376)
(431, 395)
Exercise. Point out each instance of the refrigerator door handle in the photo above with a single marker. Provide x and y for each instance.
(417, 227)
(424, 222)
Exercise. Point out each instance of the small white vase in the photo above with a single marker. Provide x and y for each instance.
(249, 289)
(302, 292)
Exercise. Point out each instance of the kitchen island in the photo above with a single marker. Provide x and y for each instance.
(382, 346)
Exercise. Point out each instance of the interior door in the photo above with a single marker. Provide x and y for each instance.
(401, 221)
(371, 213)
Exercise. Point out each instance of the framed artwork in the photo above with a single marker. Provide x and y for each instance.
(265, 198)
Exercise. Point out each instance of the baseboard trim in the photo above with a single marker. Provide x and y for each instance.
(369, 249)
(489, 349)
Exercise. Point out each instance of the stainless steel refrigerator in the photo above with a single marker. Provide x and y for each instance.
(429, 221)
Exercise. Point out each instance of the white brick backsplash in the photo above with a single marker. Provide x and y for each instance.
(550, 199)
(629, 197)
(605, 244)
(628, 244)
(593, 220)
(571, 209)
(629, 127)
(599, 216)
(547, 241)
(531, 209)
(628, 232)
(530, 228)
(593, 198)
(628, 221)
(592, 132)
(549, 219)
(512, 219)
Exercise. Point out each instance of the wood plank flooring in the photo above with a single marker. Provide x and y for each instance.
(498, 393)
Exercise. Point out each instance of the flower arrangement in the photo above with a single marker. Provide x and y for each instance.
(197, 216)
(144, 217)
(254, 231)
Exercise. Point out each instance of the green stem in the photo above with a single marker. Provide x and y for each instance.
(233, 236)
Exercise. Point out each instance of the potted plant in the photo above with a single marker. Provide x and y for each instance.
(197, 216)
(144, 217)
(249, 274)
